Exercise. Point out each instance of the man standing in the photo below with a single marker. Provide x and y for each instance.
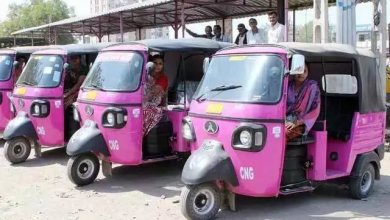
(207, 35)
(218, 34)
(254, 35)
(241, 37)
(276, 32)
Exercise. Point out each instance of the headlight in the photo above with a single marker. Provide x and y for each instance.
(36, 109)
(110, 118)
(40, 108)
(76, 114)
(187, 129)
(114, 117)
(249, 137)
(246, 138)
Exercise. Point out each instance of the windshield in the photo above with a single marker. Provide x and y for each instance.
(5, 67)
(42, 71)
(115, 71)
(252, 78)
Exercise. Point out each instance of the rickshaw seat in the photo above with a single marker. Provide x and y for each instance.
(189, 87)
(301, 141)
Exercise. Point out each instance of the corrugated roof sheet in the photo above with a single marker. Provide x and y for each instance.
(159, 13)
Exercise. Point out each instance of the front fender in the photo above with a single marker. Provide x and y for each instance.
(362, 160)
(209, 163)
(20, 126)
(87, 139)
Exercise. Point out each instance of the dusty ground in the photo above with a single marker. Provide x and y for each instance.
(40, 189)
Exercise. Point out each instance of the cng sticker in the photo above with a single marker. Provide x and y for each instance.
(247, 173)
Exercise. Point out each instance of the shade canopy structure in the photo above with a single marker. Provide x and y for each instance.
(160, 13)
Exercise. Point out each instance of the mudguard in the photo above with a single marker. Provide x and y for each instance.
(87, 139)
(20, 126)
(362, 160)
(209, 163)
(380, 150)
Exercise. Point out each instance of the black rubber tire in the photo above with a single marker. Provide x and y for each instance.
(9, 148)
(188, 199)
(355, 183)
(295, 151)
(293, 163)
(74, 164)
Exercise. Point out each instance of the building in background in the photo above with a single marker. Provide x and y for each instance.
(363, 36)
(98, 6)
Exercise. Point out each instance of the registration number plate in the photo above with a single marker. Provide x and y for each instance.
(214, 108)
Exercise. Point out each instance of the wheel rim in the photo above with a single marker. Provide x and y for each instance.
(366, 181)
(85, 169)
(19, 150)
(204, 201)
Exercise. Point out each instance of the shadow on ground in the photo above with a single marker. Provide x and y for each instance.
(49, 157)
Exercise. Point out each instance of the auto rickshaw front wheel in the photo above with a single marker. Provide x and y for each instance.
(361, 186)
(83, 169)
(200, 202)
(17, 150)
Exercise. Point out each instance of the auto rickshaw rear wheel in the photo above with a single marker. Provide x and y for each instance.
(83, 169)
(361, 186)
(17, 150)
(200, 202)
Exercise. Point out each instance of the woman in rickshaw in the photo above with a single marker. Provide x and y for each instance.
(303, 105)
(156, 86)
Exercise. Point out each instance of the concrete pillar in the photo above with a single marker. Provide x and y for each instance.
(317, 21)
(140, 34)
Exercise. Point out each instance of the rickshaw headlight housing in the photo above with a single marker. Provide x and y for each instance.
(249, 137)
(187, 130)
(246, 138)
(114, 117)
(40, 108)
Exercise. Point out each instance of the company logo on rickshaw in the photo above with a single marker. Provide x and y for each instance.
(21, 103)
(89, 110)
(211, 127)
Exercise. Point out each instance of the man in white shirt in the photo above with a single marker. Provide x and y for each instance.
(254, 35)
(218, 34)
(276, 32)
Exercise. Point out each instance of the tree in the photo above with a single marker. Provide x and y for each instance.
(33, 13)
(305, 33)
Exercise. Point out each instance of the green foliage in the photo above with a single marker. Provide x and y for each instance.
(32, 13)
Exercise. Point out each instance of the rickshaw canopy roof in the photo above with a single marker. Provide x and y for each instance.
(74, 49)
(23, 50)
(177, 45)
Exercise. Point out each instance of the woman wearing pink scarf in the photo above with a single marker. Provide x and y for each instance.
(303, 105)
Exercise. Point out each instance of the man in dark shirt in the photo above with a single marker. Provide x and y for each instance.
(208, 30)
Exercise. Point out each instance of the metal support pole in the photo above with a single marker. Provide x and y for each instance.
(293, 25)
(100, 31)
(14, 40)
(176, 22)
(32, 38)
(286, 24)
(55, 36)
(316, 22)
(382, 49)
(324, 21)
(281, 12)
(121, 25)
(83, 33)
(183, 23)
(374, 39)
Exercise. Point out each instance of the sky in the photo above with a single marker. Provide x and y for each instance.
(363, 10)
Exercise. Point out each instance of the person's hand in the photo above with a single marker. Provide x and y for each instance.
(66, 95)
(290, 125)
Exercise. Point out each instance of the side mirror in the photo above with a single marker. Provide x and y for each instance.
(206, 63)
(66, 66)
(297, 64)
(149, 67)
(16, 64)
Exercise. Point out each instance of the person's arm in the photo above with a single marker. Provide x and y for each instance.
(161, 85)
(76, 87)
(195, 34)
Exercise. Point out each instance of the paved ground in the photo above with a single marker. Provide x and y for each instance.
(40, 189)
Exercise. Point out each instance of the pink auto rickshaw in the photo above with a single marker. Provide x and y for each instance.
(110, 106)
(38, 102)
(8, 66)
(236, 125)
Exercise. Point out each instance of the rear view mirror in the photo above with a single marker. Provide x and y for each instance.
(297, 64)
(149, 67)
(206, 63)
(16, 64)
(66, 66)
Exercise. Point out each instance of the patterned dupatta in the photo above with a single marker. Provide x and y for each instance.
(305, 106)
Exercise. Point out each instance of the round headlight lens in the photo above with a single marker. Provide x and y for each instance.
(36, 109)
(245, 138)
(187, 134)
(110, 118)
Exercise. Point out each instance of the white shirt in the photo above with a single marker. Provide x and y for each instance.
(223, 38)
(241, 40)
(255, 38)
(276, 33)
